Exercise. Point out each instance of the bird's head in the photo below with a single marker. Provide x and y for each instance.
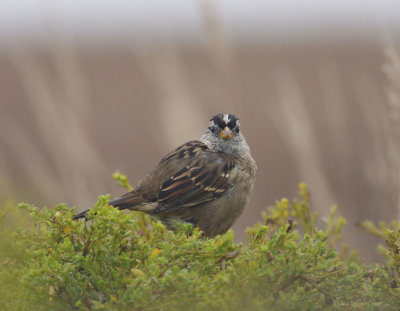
(223, 133)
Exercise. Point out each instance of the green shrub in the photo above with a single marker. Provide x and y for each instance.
(125, 261)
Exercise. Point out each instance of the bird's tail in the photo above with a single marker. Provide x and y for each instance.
(126, 201)
(81, 215)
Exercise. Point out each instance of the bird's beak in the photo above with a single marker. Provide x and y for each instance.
(226, 133)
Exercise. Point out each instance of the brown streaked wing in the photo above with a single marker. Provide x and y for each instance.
(148, 189)
(202, 180)
(167, 167)
(185, 151)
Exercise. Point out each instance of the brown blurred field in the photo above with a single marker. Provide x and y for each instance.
(326, 114)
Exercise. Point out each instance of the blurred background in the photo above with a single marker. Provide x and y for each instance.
(89, 87)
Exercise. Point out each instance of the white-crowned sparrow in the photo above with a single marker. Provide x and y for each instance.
(205, 182)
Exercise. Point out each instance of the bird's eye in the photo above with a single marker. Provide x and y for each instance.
(211, 129)
(232, 124)
(221, 124)
(237, 130)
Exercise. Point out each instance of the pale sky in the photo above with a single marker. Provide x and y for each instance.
(31, 20)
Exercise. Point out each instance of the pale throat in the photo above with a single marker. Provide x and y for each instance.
(229, 146)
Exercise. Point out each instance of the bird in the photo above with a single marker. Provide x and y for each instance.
(206, 182)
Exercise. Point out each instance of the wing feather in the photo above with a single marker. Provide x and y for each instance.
(189, 176)
(203, 179)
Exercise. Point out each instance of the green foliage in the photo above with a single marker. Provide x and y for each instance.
(122, 180)
(299, 211)
(126, 261)
(390, 234)
(280, 214)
